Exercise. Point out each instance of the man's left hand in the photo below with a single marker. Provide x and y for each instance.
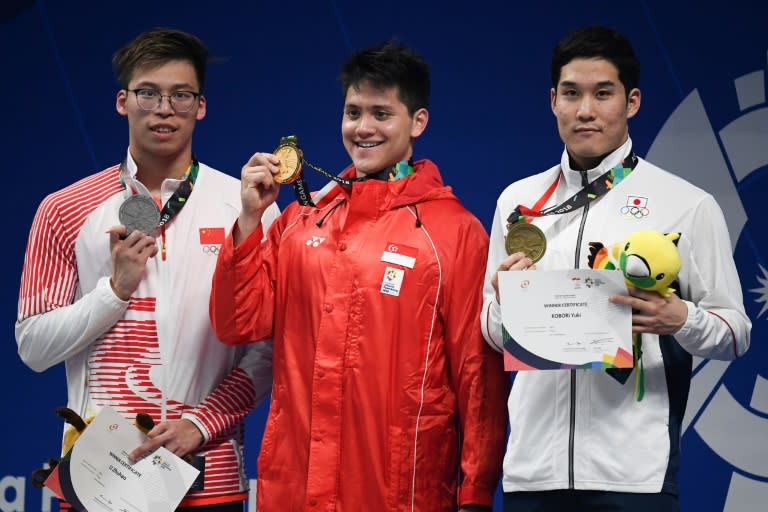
(653, 313)
(180, 437)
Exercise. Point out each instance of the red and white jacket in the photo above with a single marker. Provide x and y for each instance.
(385, 395)
(157, 352)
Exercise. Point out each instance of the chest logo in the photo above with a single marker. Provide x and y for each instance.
(211, 240)
(315, 241)
(637, 207)
(399, 255)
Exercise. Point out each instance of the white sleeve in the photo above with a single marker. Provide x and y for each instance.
(268, 217)
(49, 338)
(717, 326)
(257, 362)
(490, 315)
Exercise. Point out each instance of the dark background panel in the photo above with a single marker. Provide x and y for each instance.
(274, 71)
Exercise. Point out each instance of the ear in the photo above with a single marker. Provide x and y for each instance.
(419, 122)
(200, 108)
(122, 97)
(674, 237)
(633, 102)
(553, 99)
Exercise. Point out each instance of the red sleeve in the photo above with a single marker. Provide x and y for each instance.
(242, 294)
(49, 278)
(481, 384)
(227, 405)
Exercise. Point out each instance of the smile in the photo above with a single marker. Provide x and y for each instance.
(163, 129)
(366, 145)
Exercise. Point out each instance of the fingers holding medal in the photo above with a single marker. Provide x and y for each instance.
(258, 188)
(525, 238)
(283, 165)
(291, 160)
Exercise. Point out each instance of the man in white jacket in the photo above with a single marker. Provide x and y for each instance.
(580, 440)
(117, 277)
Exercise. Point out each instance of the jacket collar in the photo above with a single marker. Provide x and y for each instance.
(424, 184)
(573, 177)
(129, 170)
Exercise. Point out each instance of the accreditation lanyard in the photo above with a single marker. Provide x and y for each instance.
(175, 203)
(586, 195)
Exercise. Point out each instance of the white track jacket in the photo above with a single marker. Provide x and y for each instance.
(582, 429)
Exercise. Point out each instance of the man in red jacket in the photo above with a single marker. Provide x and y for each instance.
(384, 396)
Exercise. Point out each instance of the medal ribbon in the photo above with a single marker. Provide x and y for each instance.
(589, 193)
(400, 170)
(178, 199)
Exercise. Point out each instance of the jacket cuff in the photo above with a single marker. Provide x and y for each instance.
(476, 495)
(199, 424)
(251, 242)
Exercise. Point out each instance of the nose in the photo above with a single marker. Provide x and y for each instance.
(165, 104)
(586, 108)
(365, 127)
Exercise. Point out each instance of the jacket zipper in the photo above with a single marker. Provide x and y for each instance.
(571, 435)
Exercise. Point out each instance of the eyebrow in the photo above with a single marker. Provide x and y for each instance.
(369, 107)
(600, 85)
(175, 87)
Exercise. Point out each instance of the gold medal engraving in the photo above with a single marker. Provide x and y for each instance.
(527, 238)
(291, 161)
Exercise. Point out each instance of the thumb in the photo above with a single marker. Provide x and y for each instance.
(115, 234)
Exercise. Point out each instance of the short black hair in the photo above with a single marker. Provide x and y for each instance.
(390, 64)
(598, 42)
(157, 47)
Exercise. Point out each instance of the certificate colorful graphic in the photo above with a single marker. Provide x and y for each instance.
(562, 319)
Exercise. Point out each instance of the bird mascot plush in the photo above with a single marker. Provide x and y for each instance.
(649, 260)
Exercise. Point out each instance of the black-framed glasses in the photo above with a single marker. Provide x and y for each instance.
(150, 99)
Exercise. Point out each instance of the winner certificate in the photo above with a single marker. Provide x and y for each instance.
(562, 319)
(96, 475)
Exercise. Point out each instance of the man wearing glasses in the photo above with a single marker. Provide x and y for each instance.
(117, 276)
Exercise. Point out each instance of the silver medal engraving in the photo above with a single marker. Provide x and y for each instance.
(139, 212)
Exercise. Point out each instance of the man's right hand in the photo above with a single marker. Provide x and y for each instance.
(258, 190)
(516, 261)
(129, 258)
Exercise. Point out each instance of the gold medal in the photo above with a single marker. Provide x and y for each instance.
(527, 238)
(291, 160)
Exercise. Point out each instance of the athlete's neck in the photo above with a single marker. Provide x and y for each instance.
(584, 164)
(152, 170)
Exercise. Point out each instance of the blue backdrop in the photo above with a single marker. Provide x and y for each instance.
(274, 72)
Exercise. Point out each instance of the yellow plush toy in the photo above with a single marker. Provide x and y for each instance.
(649, 260)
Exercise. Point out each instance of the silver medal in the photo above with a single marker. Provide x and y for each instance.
(139, 212)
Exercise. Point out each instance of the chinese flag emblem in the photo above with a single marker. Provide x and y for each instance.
(210, 236)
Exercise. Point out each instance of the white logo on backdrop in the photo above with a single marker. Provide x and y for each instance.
(717, 162)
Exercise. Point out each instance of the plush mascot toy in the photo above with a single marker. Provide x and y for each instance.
(649, 260)
(76, 427)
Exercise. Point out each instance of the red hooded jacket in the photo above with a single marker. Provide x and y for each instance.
(385, 396)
